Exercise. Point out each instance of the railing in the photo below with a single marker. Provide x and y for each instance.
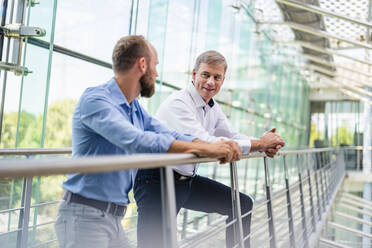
(291, 216)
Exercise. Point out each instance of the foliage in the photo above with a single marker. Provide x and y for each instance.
(342, 137)
(8, 135)
(57, 134)
(314, 135)
(59, 123)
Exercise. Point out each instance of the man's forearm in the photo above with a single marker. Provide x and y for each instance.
(199, 141)
(256, 146)
(222, 150)
(196, 146)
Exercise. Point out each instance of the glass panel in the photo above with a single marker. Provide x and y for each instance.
(177, 51)
(157, 26)
(69, 78)
(45, 192)
(91, 27)
(10, 192)
(34, 89)
(10, 118)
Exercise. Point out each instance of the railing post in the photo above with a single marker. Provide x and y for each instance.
(184, 224)
(235, 197)
(310, 193)
(24, 215)
(289, 206)
(331, 182)
(168, 197)
(214, 175)
(303, 214)
(317, 189)
(269, 205)
(246, 174)
(358, 160)
(321, 183)
(324, 172)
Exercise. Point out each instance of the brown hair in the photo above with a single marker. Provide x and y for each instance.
(127, 50)
(210, 57)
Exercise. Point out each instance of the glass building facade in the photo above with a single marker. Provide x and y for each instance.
(264, 86)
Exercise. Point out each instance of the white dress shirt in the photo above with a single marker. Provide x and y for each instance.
(185, 111)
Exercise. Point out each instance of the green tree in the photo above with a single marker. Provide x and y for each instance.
(57, 134)
(59, 123)
(8, 135)
(342, 137)
(314, 135)
(58, 126)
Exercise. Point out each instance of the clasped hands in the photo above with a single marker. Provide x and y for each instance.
(269, 143)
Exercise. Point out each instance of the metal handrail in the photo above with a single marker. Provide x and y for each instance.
(43, 166)
(35, 151)
(359, 148)
(68, 150)
(49, 166)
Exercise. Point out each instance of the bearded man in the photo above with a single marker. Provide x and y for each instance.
(108, 120)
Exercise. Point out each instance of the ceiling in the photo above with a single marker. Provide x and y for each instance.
(335, 49)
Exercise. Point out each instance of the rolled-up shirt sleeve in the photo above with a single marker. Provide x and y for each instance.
(100, 115)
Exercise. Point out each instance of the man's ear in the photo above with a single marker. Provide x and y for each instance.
(193, 74)
(142, 64)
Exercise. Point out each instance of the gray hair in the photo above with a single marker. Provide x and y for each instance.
(210, 57)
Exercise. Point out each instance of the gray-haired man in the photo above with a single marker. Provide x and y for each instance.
(193, 110)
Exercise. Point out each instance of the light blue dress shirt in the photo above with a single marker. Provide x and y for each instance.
(104, 123)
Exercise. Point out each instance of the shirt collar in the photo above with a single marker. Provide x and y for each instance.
(199, 102)
(118, 97)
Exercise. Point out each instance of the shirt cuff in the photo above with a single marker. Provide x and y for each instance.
(164, 143)
(245, 145)
(186, 137)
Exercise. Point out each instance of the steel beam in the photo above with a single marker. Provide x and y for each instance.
(318, 10)
(353, 218)
(333, 244)
(332, 74)
(325, 62)
(345, 228)
(318, 32)
(349, 93)
(324, 34)
(329, 51)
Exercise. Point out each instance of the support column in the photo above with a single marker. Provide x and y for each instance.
(367, 141)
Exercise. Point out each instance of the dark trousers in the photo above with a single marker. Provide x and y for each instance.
(197, 193)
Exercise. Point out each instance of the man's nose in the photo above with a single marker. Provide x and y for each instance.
(210, 81)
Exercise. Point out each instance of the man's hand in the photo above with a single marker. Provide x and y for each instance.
(235, 148)
(222, 150)
(225, 150)
(271, 143)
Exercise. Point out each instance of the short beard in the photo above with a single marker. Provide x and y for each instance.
(147, 85)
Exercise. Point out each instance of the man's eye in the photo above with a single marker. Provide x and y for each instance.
(217, 78)
(205, 75)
